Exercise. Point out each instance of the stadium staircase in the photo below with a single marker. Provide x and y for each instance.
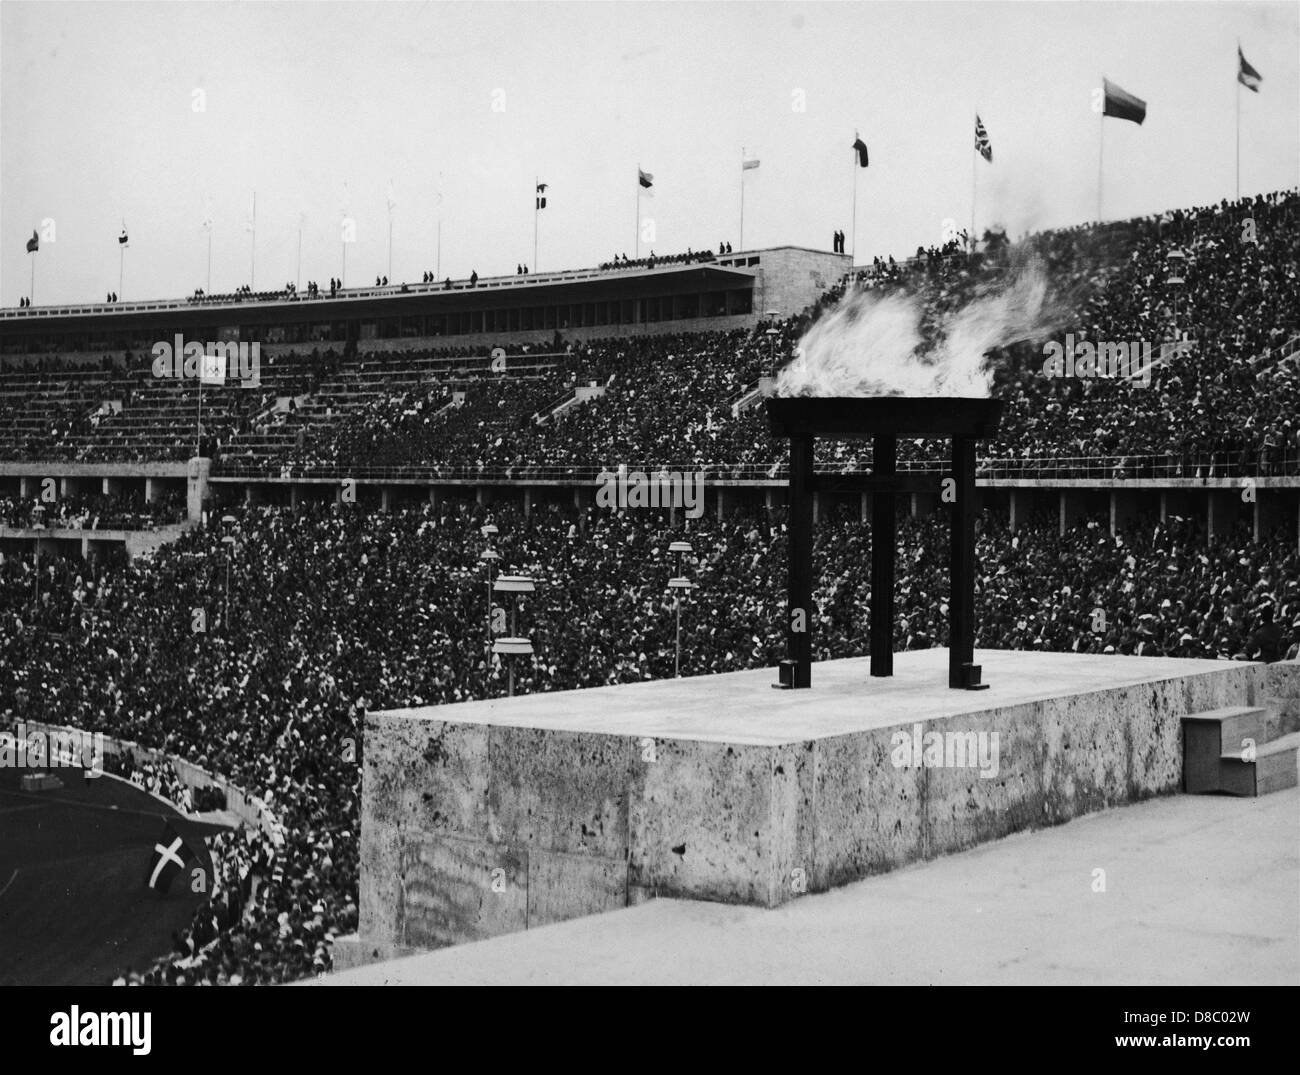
(751, 396)
(1243, 750)
(567, 401)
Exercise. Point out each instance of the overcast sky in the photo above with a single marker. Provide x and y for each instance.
(318, 106)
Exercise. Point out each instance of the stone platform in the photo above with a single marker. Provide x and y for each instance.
(487, 818)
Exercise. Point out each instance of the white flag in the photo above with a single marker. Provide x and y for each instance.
(212, 368)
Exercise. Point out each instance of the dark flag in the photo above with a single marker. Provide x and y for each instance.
(34, 243)
(645, 179)
(982, 143)
(1247, 75)
(171, 857)
(122, 238)
(541, 195)
(1123, 105)
(860, 147)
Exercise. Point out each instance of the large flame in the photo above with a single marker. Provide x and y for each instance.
(871, 344)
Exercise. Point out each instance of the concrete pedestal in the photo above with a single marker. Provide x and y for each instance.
(490, 817)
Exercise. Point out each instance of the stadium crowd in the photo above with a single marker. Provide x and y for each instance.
(92, 511)
(668, 399)
(1221, 280)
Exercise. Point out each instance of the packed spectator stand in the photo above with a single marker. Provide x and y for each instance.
(334, 611)
(1230, 399)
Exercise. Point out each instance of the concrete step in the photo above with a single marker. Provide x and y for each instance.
(1236, 723)
(1284, 712)
(1276, 765)
(1209, 736)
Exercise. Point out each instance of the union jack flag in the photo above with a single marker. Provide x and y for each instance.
(982, 144)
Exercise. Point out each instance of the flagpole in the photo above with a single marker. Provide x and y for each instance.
(742, 197)
(1237, 82)
(390, 242)
(853, 239)
(31, 291)
(536, 214)
(637, 226)
(297, 283)
(974, 169)
(121, 266)
(209, 287)
(1101, 151)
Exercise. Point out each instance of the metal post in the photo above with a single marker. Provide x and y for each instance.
(742, 197)
(974, 166)
(799, 613)
(1101, 154)
(883, 541)
(514, 633)
(677, 656)
(962, 673)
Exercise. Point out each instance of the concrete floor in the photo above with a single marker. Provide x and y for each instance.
(1198, 889)
(742, 707)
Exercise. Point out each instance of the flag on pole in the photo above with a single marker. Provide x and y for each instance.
(645, 179)
(1123, 105)
(212, 366)
(745, 166)
(121, 239)
(34, 243)
(171, 856)
(982, 144)
(1247, 75)
(541, 195)
(860, 147)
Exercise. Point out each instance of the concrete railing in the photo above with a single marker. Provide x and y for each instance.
(1224, 465)
(251, 810)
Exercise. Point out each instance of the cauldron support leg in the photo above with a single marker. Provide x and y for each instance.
(799, 643)
(963, 673)
(884, 539)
